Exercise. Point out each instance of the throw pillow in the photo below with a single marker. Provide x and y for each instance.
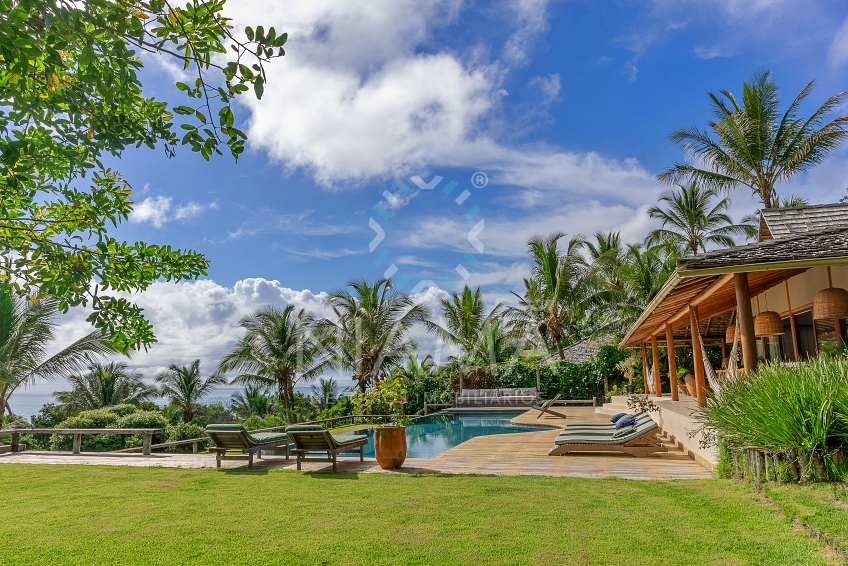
(624, 431)
(616, 417)
(625, 421)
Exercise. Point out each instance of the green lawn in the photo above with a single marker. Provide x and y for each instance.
(822, 508)
(104, 515)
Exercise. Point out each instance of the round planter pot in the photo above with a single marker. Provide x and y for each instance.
(629, 388)
(390, 446)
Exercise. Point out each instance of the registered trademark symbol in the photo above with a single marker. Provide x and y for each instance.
(479, 179)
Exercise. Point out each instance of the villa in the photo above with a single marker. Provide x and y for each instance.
(785, 292)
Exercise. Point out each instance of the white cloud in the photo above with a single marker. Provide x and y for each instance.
(157, 211)
(382, 101)
(838, 52)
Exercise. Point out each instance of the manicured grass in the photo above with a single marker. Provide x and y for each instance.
(106, 515)
(821, 507)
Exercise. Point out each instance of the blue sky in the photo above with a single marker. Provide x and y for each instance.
(565, 106)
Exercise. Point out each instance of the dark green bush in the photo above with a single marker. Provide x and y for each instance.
(342, 408)
(185, 431)
(268, 421)
(143, 419)
(117, 416)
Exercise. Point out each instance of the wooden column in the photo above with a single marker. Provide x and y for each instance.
(697, 357)
(672, 363)
(792, 324)
(645, 365)
(745, 320)
(656, 352)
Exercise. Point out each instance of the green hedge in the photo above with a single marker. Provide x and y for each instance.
(118, 416)
(572, 381)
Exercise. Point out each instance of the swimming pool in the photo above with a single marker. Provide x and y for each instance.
(434, 434)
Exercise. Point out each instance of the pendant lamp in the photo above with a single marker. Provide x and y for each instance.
(730, 334)
(768, 323)
(830, 304)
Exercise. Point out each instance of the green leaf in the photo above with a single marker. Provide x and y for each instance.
(259, 87)
(248, 31)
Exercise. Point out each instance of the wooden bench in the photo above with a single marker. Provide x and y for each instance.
(78, 432)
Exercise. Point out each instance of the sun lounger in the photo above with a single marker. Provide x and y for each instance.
(546, 408)
(228, 437)
(315, 438)
(602, 426)
(642, 441)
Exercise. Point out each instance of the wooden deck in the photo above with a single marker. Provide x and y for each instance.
(506, 454)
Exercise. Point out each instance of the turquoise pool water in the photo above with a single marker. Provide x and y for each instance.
(434, 434)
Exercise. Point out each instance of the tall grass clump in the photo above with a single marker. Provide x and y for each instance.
(788, 421)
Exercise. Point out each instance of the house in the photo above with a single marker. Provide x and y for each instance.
(787, 293)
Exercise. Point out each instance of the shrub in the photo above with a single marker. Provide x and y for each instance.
(127, 409)
(268, 421)
(116, 416)
(342, 408)
(143, 419)
(798, 411)
(185, 431)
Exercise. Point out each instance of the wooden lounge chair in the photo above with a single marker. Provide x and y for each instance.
(641, 442)
(315, 438)
(546, 408)
(228, 437)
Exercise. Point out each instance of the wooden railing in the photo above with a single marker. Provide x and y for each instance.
(196, 441)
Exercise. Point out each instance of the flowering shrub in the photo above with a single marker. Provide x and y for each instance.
(641, 403)
(386, 397)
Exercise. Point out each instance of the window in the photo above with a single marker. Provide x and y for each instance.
(806, 335)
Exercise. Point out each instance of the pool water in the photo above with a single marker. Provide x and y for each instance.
(434, 434)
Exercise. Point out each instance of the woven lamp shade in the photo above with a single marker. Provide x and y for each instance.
(768, 323)
(831, 303)
(730, 334)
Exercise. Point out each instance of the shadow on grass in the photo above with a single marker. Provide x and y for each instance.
(243, 471)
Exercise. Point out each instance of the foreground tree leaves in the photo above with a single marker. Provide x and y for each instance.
(70, 95)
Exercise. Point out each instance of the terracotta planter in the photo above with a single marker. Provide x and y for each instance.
(390, 446)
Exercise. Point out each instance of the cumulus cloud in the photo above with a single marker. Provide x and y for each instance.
(160, 210)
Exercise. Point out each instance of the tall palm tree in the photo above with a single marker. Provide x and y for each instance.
(370, 334)
(691, 219)
(105, 385)
(185, 387)
(465, 319)
(563, 286)
(325, 394)
(27, 332)
(253, 400)
(754, 145)
(642, 275)
(276, 351)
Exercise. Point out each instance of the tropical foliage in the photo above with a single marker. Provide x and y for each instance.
(751, 144)
(185, 387)
(27, 333)
(105, 385)
(277, 351)
(370, 335)
(72, 96)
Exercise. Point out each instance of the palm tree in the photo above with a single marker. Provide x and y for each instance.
(562, 285)
(276, 351)
(253, 400)
(691, 220)
(325, 394)
(185, 387)
(754, 146)
(27, 331)
(642, 275)
(465, 319)
(104, 386)
(369, 335)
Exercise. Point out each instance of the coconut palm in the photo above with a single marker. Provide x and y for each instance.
(27, 332)
(562, 286)
(465, 319)
(325, 394)
(185, 387)
(691, 220)
(253, 400)
(370, 334)
(276, 351)
(751, 144)
(104, 385)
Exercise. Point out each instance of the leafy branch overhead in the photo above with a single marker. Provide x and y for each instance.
(70, 96)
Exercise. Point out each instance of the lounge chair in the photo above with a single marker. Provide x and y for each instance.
(234, 437)
(605, 426)
(642, 441)
(315, 438)
(546, 408)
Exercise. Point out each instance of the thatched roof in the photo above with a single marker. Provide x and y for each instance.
(582, 351)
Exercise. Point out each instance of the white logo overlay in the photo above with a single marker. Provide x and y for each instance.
(471, 217)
